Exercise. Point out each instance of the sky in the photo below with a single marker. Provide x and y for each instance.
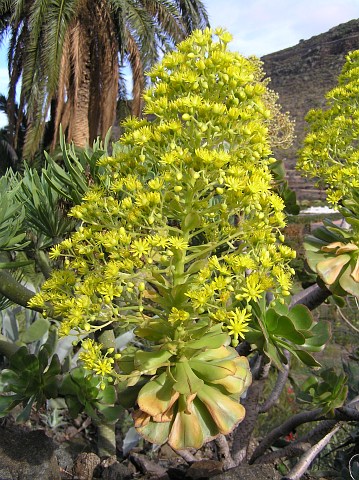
(260, 27)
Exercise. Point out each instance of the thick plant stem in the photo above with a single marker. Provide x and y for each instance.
(311, 297)
(284, 429)
(224, 452)
(7, 348)
(106, 437)
(14, 291)
(43, 263)
(278, 388)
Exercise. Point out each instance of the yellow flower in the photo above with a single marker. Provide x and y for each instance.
(157, 241)
(176, 315)
(238, 324)
(55, 252)
(156, 183)
(37, 301)
(253, 289)
(103, 366)
(140, 247)
(178, 243)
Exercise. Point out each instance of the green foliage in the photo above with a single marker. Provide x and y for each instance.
(327, 390)
(82, 394)
(12, 215)
(210, 373)
(29, 379)
(80, 169)
(281, 329)
(43, 213)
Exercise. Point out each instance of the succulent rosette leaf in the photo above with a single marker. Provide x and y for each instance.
(333, 254)
(294, 330)
(194, 399)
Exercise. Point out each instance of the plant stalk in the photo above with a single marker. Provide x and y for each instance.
(106, 436)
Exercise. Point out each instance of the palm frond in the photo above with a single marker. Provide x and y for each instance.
(58, 19)
(168, 20)
(193, 13)
(137, 74)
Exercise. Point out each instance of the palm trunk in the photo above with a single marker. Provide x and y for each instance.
(79, 130)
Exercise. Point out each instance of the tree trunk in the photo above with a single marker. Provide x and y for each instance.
(79, 129)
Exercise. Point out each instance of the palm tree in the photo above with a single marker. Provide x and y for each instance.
(10, 157)
(67, 54)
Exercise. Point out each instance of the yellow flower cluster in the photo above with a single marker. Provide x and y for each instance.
(330, 151)
(94, 360)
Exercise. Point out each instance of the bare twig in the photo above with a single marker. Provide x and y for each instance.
(346, 413)
(304, 463)
(301, 445)
(224, 454)
(84, 425)
(284, 429)
(294, 449)
(243, 432)
(278, 387)
(347, 321)
(186, 455)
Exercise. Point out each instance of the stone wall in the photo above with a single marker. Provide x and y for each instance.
(301, 75)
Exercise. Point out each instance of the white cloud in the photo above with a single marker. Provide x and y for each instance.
(261, 26)
(4, 80)
(3, 89)
(3, 120)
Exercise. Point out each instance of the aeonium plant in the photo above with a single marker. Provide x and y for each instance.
(331, 155)
(181, 241)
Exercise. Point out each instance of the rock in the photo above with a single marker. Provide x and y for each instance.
(64, 457)
(85, 465)
(204, 469)
(117, 471)
(27, 455)
(148, 467)
(250, 472)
